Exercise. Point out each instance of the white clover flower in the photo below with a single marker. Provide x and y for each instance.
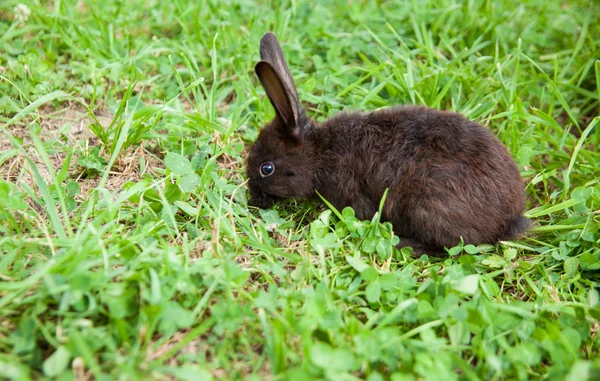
(22, 13)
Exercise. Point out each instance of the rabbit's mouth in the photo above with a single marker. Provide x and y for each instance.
(261, 199)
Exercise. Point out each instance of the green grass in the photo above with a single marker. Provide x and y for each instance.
(127, 246)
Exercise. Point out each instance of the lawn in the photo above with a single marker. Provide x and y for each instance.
(128, 249)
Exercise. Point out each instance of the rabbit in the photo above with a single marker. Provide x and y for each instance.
(448, 178)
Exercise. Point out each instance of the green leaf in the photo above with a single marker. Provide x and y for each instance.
(571, 266)
(70, 203)
(402, 377)
(172, 192)
(271, 218)
(592, 297)
(175, 317)
(369, 274)
(187, 208)
(120, 299)
(356, 226)
(494, 261)
(397, 311)
(589, 262)
(580, 371)
(11, 198)
(267, 300)
(510, 253)
(370, 244)
(467, 285)
(471, 249)
(374, 376)
(92, 161)
(526, 353)
(458, 334)
(373, 292)
(5, 189)
(155, 288)
(456, 249)
(57, 363)
(356, 263)
(388, 281)
(326, 357)
(571, 339)
(199, 160)
(486, 248)
(72, 188)
(189, 182)
(135, 103)
(347, 212)
(425, 309)
(329, 241)
(325, 216)
(544, 210)
(384, 248)
(178, 164)
(151, 195)
(581, 194)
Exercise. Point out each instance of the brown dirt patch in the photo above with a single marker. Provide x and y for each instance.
(58, 128)
(61, 130)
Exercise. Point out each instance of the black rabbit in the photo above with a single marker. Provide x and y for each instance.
(448, 177)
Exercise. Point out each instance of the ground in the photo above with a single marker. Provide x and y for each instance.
(128, 249)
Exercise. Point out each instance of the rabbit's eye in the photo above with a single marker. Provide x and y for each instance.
(267, 169)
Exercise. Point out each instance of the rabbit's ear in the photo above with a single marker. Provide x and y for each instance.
(275, 77)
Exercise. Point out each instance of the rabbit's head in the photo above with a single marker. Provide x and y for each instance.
(281, 163)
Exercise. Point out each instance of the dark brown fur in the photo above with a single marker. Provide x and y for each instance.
(448, 177)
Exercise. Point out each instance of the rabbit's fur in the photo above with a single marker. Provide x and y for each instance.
(448, 177)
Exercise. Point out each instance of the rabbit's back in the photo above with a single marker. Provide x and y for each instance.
(447, 177)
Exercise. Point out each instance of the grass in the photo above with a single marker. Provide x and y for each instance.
(129, 251)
